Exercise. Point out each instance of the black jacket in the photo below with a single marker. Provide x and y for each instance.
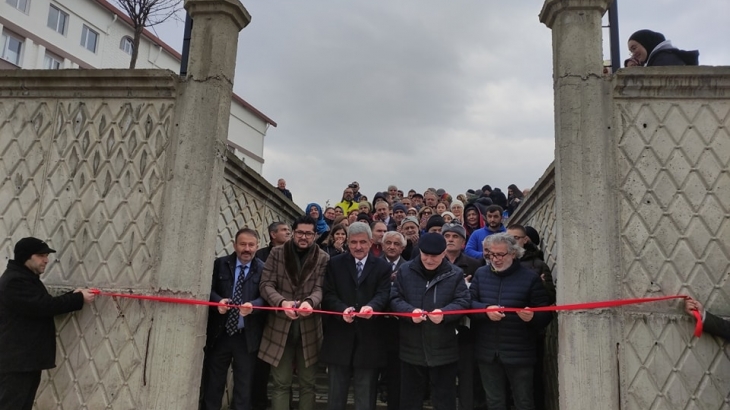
(511, 338)
(467, 264)
(222, 288)
(534, 259)
(426, 343)
(716, 326)
(359, 343)
(263, 253)
(27, 330)
(673, 57)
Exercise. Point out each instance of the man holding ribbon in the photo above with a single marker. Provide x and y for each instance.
(427, 287)
(27, 329)
(234, 327)
(356, 285)
(292, 279)
(505, 341)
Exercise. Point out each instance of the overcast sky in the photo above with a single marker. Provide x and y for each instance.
(421, 93)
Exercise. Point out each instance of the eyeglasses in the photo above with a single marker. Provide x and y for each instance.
(492, 255)
(304, 234)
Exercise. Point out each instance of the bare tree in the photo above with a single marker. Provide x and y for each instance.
(146, 13)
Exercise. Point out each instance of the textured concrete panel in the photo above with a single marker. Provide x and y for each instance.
(673, 148)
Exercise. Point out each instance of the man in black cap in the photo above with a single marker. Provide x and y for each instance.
(428, 343)
(27, 330)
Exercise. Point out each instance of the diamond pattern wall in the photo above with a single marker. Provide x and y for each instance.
(674, 157)
(88, 177)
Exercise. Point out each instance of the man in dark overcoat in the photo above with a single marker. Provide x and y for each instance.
(356, 285)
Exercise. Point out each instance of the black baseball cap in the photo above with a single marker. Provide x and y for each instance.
(27, 247)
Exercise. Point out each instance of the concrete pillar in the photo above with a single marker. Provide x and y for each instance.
(192, 193)
(586, 201)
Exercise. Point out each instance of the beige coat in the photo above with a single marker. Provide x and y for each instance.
(283, 279)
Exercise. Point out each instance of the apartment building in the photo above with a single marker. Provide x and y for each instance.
(88, 34)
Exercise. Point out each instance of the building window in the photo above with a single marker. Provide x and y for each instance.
(57, 20)
(11, 48)
(89, 38)
(52, 61)
(21, 5)
(127, 45)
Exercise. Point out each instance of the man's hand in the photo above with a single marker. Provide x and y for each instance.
(89, 296)
(291, 314)
(245, 309)
(436, 316)
(692, 304)
(305, 309)
(419, 318)
(223, 308)
(366, 312)
(495, 316)
(348, 315)
(526, 314)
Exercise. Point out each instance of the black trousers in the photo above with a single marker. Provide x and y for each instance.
(364, 383)
(18, 389)
(228, 351)
(440, 379)
(260, 395)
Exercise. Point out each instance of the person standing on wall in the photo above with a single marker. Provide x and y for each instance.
(27, 330)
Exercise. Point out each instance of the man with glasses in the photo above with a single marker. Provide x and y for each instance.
(348, 202)
(505, 342)
(494, 225)
(356, 194)
(292, 278)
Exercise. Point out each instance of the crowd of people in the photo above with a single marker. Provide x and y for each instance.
(421, 254)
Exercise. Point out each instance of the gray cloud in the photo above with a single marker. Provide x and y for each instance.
(421, 92)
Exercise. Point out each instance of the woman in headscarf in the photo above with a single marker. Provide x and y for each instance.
(457, 208)
(315, 211)
(649, 48)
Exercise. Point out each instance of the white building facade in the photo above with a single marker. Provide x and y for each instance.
(87, 34)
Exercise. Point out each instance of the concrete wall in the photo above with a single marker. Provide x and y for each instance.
(672, 136)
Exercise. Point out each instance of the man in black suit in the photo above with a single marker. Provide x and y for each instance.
(27, 330)
(356, 284)
(710, 323)
(234, 334)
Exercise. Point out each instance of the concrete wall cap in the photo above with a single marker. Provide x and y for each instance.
(551, 8)
(232, 8)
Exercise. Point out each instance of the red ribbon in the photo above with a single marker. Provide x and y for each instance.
(575, 306)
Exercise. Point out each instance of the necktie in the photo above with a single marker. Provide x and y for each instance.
(394, 266)
(359, 269)
(237, 299)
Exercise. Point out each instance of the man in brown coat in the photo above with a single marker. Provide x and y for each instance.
(292, 277)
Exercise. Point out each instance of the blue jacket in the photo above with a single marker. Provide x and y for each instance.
(511, 339)
(474, 246)
(426, 343)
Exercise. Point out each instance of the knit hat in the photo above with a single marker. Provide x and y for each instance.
(649, 39)
(451, 214)
(27, 247)
(434, 220)
(362, 216)
(440, 192)
(412, 219)
(399, 207)
(432, 244)
(486, 188)
(533, 235)
(457, 203)
(455, 228)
